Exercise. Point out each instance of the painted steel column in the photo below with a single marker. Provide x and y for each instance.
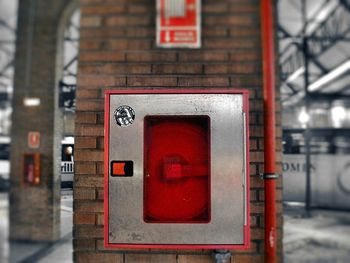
(268, 40)
(307, 134)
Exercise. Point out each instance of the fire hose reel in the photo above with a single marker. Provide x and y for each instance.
(176, 169)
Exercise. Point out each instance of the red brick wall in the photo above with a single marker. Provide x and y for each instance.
(117, 50)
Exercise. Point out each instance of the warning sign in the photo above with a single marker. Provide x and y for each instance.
(178, 23)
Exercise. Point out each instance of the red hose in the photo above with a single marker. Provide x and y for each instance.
(269, 72)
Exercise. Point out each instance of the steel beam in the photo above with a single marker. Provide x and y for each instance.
(7, 26)
(6, 67)
(335, 28)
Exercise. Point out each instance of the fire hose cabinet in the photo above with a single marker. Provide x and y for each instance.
(176, 169)
(31, 169)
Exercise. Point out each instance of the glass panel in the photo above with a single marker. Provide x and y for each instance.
(177, 167)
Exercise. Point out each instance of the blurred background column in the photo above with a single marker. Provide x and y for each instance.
(36, 122)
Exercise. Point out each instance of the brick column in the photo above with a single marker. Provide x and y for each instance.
(117, 50)
(35, 210)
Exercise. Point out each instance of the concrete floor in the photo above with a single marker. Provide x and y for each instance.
(24, 252)
(323, 238)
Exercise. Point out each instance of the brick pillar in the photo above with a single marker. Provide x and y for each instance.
(117, 50)
(35, 210)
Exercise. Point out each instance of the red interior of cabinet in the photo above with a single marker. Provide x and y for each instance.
(31, 168)
(177, 169)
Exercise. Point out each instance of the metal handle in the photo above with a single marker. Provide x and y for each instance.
(244, 168)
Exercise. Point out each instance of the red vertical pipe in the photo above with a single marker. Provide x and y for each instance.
(269, 72)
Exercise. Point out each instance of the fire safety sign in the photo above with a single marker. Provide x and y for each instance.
(178, 23)
(33, 140)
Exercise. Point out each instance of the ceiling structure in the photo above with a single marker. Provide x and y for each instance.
(68, 81)
(8, 21)
(8, 24)
(315, 33)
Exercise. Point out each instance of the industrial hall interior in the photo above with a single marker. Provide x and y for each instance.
(174, 131)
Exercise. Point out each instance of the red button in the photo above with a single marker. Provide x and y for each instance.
(122, 168)
(118, 169)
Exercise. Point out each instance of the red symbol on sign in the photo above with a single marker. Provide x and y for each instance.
(178, 23)
(33, 140)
